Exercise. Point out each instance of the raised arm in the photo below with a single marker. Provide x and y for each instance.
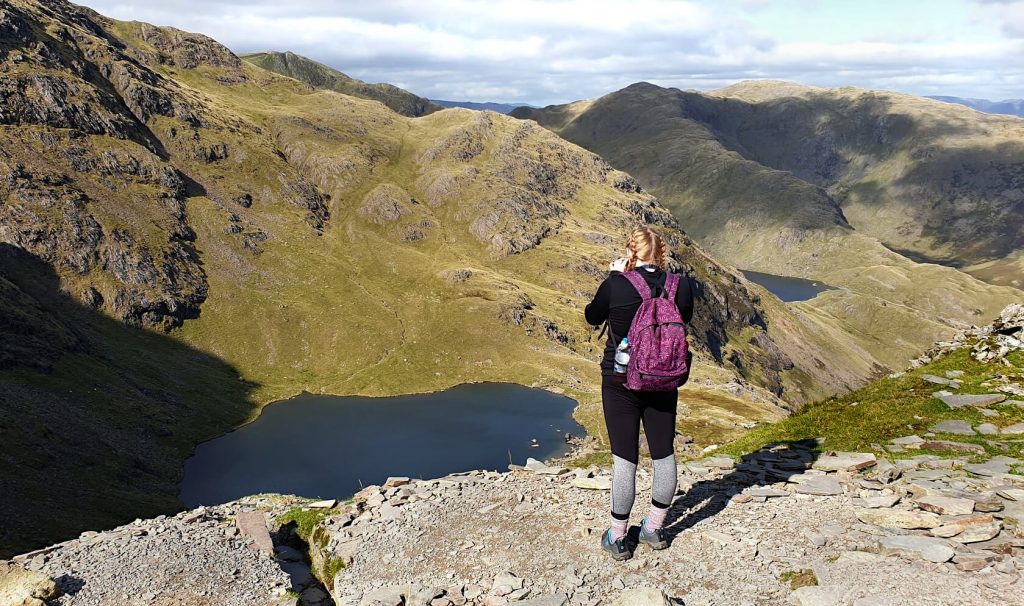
(597, 311)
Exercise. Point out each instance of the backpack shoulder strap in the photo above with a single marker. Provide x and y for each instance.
(671, 285)
(638, 283)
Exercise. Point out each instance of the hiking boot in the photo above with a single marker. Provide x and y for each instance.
(619, 549)
(655, 539)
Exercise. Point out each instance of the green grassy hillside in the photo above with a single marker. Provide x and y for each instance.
(319, 75)
(706, 157)
(868, 418)
(189, 236)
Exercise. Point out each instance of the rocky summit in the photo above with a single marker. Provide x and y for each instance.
(741, 533)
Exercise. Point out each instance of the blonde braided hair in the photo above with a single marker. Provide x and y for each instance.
(645, 244)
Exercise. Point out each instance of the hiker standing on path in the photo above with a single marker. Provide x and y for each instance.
(646, 360)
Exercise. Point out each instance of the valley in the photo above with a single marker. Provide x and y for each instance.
(188, 237)
(224, 274)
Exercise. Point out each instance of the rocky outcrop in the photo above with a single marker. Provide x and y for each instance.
(987, 343)
(20, 587)
(303, 194)
(386, 203)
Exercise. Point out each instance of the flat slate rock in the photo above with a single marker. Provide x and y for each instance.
(953, 426)
(1011, 493)
(598, 483)
(953, 446)
(898, 518)
(908, 441)
(978, 533)
(880, 502)
(549, 600)
(643, 596)
(253, 524)
(1015, 429)
(766, 492)
(844, 461)
(988, 468)
(819, 486)
(817, 595)
(717, 462)
(964, 400)
(954, 525)
(951, 506)
(926, 548)
(987, 429)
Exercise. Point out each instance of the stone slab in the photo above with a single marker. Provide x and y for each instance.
(926, 548)
(253, 524)
(955, 401)
(845, 461)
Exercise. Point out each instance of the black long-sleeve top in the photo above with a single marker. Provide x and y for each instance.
(617, 302)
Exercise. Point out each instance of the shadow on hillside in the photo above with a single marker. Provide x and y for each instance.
(96, 418)
(776, 462)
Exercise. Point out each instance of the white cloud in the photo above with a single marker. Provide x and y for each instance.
(559, 50)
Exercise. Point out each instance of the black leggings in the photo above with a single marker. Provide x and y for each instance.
(623, 411)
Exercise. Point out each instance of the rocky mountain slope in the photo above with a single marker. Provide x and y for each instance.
(319, 75)
(185, 236)
(805, 182)
(783, 517)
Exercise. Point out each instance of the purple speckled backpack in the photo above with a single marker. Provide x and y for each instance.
(659, 357)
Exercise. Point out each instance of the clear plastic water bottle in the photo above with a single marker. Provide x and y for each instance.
(622, 356)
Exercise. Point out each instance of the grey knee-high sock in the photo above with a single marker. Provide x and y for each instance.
(664, 483)
(623, 486)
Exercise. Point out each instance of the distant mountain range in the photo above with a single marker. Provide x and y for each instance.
(848, 186)
(501, 108)
(1010, 107)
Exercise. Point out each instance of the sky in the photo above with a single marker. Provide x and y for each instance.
(554, 51)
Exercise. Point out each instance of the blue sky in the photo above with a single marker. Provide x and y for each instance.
(554, 51)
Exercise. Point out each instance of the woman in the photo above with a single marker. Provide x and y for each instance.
(616, 302)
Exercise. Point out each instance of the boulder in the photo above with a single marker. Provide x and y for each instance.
(20, 587)
(925, 548)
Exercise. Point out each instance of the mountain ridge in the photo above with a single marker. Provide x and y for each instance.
(319, 75)
(260, 237)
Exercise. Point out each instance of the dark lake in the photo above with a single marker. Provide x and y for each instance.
(786, 288)
(324, 446)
